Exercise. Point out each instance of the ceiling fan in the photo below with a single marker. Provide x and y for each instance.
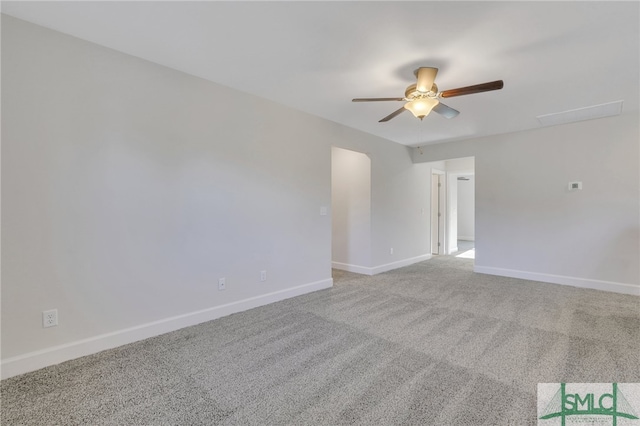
(423, 97)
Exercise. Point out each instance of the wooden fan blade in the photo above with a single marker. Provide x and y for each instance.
(445, 111)
(426, 77)
(477, 88)
(393, 114)
(376, 99)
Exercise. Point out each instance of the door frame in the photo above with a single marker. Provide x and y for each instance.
(441, 197)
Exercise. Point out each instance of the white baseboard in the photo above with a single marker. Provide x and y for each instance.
(400, 263)
(466, 238)
(57, 354)
(561, 279)
(352, 268)
(380, 268)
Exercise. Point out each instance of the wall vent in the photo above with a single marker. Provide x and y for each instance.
(581, 114)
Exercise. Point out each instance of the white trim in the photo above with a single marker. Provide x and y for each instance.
(561, 279)
(50, 356)
(352, 268)
(380, 268)
(400, 263)
(443, 207)
(466, 238)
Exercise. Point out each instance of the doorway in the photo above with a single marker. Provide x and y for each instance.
(465, 220)
(460, 208)
(350, 210)
(452, 211)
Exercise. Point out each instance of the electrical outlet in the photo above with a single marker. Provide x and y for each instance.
(50, 318)
(222, 283)
(263, 275)
(391, 250)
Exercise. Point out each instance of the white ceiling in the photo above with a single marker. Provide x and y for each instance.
(317, 56)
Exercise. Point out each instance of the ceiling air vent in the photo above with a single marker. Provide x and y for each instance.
(581, 114)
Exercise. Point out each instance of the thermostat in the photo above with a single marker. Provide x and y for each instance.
(575, 186)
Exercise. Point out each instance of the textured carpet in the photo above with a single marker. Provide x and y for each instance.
(429, 344)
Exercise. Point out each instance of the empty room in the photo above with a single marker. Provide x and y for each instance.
(320, 213)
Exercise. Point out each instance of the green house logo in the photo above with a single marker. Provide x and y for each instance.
(588, 403)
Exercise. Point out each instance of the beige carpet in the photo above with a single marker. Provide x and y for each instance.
(429, 344)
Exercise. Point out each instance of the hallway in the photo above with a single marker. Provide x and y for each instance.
(466, 249)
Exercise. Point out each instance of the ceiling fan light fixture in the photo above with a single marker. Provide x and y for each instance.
(423, 97)
(420, 108)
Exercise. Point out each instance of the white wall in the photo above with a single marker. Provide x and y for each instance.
(400, 195)
(129, 188)
(460, 165)
(529, 225)
(451, 225)
(351, 210)
(466, 208)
